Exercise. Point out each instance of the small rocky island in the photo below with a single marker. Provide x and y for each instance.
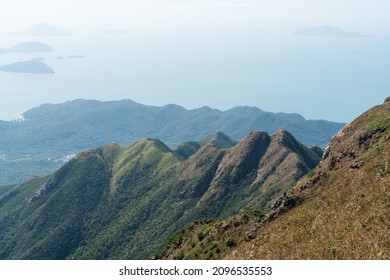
(31, 67)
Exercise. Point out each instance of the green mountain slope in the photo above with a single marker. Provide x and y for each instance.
(118, 202)
(4, 189)
(340, 210)
(187, 149)
(218, 139)
(51, 134)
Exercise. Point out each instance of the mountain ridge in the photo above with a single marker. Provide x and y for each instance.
(114, 202)
(68, 128)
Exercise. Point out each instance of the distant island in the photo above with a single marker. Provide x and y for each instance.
(31, 47)
(325, 31)
(45, 29)
(76, 56)
(31, 67)
(116, 31)
(70, 57)
(28, 47)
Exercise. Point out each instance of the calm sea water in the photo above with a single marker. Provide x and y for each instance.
(320, 78)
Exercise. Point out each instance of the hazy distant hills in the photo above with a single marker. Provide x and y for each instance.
(126, 121)
(117, 202)
(50, 132)
(325, 31)
(340, 210)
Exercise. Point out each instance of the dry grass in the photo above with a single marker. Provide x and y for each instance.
(345, 214)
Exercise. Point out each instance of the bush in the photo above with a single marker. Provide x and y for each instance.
(230, 242)
(201, 235)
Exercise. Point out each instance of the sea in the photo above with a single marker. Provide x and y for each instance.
(318, 77)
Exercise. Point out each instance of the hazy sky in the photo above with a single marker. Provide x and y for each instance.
(204, 52)
(365, 16)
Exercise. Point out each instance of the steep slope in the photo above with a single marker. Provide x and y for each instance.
(4, 189)
(187, 149)
(256, 171)
(118, 203)
(68, 128)
(339, 211)
(101, 190)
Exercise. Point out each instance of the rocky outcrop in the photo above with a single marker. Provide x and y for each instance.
(45, 189)
(280, 207)
(243, 158)
(266, 165)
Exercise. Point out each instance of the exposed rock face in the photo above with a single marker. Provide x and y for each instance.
(45, 189)
(244, 157)
(387, 99)
(268, 165)
(199, 170)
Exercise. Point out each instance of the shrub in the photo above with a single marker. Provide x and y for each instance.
(230, 242)
(201, 235)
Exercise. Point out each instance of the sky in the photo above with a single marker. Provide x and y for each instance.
(367, 16)
(218, 28)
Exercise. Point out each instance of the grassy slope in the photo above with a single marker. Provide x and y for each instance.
(341, 210)
(218, 139)
(345, 215)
